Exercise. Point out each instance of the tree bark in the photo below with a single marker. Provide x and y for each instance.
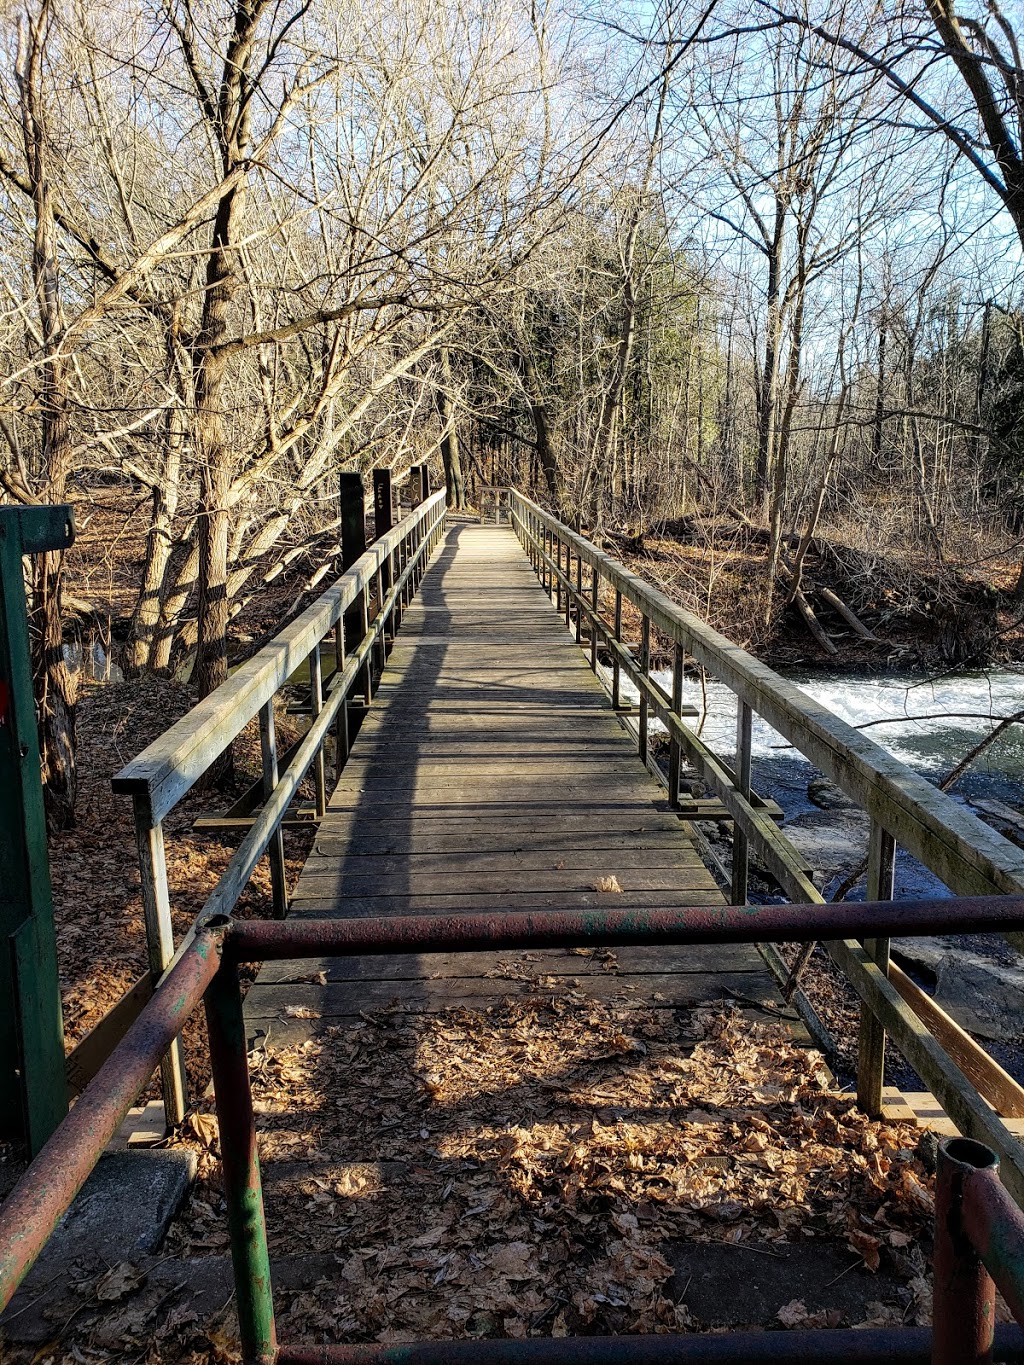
(56, 687)
(212, 396)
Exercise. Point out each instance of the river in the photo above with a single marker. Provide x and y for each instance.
(960, 709)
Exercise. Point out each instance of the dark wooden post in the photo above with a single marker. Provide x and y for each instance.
(353, 519)
(353, 545)
(383, 509)
(419, 485)
(383, 520)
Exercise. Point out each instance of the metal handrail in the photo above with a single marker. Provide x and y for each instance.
(976, 1221)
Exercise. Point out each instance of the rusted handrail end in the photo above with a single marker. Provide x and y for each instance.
(45, 1192)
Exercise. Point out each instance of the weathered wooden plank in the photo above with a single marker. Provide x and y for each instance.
(730, 957)
(271, 1002)
(368, 907)
(509, 860)
(319, 883)
(519, 830)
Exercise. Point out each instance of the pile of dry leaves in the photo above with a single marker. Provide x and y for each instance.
(526, 1169)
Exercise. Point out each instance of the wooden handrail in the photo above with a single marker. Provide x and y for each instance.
(166, 769)
(969, 856)
(171, 765)
(963, 852)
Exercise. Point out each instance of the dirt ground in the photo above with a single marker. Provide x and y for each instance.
(553, 1166)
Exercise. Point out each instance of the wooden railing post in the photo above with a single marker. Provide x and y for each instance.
(595, 602)
(579, 599)
(316, 705)
(740, 846)
(419, 485)
(674, 751)
(567, 600)
(366, 676)
(268, 755)
(341, 744)
(645, 668)
(871, 1043)
(616, 669)
(353, 546)
(383, 520)
(156, 909)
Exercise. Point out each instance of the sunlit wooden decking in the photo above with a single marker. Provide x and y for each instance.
(491, 773)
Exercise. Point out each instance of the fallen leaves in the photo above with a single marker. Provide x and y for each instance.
(120, 1280)
(533, 1161)
(607, 884)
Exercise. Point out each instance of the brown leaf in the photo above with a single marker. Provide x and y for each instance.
(120, 1280)
(204, 1126)
(865, 1246)
(793, 1314)
(607, 884)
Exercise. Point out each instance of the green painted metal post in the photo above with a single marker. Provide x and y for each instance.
(243, 1185)
(33, 1088)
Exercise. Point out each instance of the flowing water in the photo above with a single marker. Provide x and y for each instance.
(929, 724)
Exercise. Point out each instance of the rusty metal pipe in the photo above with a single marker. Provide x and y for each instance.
(243, 1186)
(995, 1226)
(964, 1297)
(872, 1346)
(44, 1193)
(261, 941)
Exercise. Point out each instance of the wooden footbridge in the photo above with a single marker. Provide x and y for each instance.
(490, 775)
(479, 784)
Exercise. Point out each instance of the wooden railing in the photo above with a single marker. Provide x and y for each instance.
(387, 574)
(964, 853)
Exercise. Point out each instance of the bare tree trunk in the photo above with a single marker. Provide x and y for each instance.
(159, 541)
(451, 454)
(212, 394)
(56, 686)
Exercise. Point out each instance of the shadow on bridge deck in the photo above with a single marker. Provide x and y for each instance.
(492, 774)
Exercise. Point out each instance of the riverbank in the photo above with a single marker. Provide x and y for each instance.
(913, 614)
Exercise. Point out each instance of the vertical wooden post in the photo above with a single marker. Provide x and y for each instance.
(353, 546)
(616, 667)
(156, 909)
(353, 518)
(645, 665)
(595, 602)
(419, 485)
(316, 705)
(674, 751)
(268, 756)
(366, 677)
(579, 599)
(871, 1045)
(740, 848)
(567, 601)
(341, 725)
(383, 520)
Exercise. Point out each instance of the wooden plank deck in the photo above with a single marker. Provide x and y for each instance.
(492, 774)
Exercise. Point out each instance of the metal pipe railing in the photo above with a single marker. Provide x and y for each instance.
(267, 940)
(979, 1232)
